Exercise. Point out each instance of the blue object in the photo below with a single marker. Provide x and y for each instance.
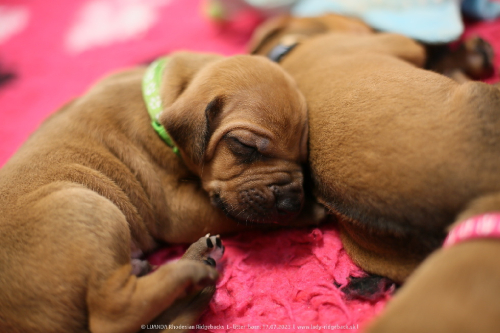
(430, 21)
(481, 9)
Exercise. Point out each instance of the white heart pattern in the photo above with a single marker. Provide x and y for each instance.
(101, 23)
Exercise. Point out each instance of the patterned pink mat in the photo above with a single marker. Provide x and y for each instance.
(53, 51)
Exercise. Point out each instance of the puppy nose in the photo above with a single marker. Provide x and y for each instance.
(288, 204)
(288, 199)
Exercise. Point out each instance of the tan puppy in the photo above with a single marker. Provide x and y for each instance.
(96, 179)
(399, 154)
(471, 59)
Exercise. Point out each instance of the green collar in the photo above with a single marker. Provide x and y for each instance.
(151, 92)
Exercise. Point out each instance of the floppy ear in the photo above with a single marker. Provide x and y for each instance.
(189, 115)
(266, 31)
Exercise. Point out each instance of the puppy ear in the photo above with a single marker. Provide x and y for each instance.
(179, 72)
(266, 31)
(190, 115)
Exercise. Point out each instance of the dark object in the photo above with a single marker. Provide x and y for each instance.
(210, 262)
(279, 51)
(6, 77)
(370, 288)
(473, 57)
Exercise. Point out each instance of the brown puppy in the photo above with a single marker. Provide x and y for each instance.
(399, 154)
(272, 31)
(96, 180)
(471, 59)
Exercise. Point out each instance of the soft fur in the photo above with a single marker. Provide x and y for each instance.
(469, 59)
(95, 181)
(399, 153)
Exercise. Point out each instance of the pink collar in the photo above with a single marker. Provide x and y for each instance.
(480, 226)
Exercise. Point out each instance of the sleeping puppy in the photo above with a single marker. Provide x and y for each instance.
(472, 58)
(96, 184)
(400, 154)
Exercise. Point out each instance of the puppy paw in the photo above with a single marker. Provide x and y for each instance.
(319, 213)
(479, 57)
(140, 267)
(208, 249)
(368, 288)
(313, 214)
(216, 249)
(198, 274)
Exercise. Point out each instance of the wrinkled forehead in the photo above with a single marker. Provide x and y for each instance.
(284, 120)
(256, 81)
(277, 111)
(249, 73)
(258, 91)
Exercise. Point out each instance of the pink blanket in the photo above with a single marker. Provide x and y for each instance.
(285, 280)
(52, 51)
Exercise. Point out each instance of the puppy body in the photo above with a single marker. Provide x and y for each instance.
(399, 154)
(454, 290)
(389, 142)
(96, 181)
(471, 59)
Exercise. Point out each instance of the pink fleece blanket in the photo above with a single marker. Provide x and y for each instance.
(53, 51)
(286, 280)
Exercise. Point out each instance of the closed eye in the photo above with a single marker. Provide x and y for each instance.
(243, 152)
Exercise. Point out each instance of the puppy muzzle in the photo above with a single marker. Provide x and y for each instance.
(268, 204)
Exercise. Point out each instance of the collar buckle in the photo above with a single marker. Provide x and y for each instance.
(286, 44)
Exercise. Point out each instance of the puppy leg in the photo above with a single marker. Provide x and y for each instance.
(61, 236)
(119, 301)
(473, 60)
(399, 46)
(488, 203)
(77, 267)
(380, 255)
(455, 290)
(208, 250)
(124, 302)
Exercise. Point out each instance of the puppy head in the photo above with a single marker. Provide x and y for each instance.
(241, 125)
(271, 32)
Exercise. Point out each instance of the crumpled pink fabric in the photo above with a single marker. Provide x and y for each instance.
(282, 280)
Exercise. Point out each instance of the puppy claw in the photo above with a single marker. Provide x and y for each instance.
(210, 262)
(218, 251)
(209, 243)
